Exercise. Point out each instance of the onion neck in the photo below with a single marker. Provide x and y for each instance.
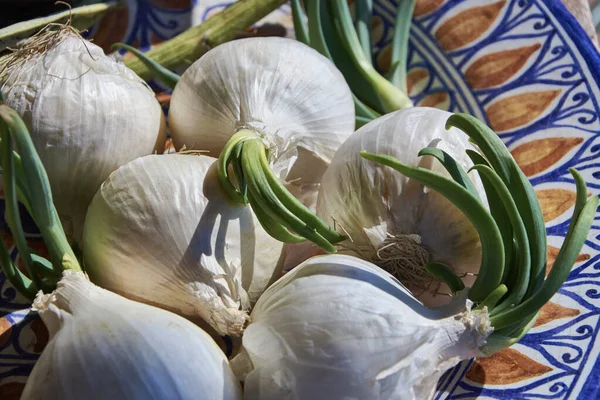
(246, 176)
(469, 333)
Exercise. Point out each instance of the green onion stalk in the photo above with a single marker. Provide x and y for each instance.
(511, 282)
(24, 179)
(347, 42)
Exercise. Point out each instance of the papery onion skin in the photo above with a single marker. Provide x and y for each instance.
(339, 327)
(160, 230)
(284, 90)
(368, 201)
(103, 346)
(87, 115)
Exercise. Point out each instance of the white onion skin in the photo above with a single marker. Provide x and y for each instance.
(86, 116)
(363, 195)
(287, 92)
(103, 346)
(338, 327)
(161, 223)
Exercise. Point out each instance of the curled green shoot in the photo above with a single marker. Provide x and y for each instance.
(525, 198)
(514, 297)
(454, 169)
(281, 214)
(493, 298)
(167, 77)
(500, 216)
(35, 189)
(583, 217)
(226, 158)
(492, 250)
(446, 275)
(498, 341)
(498, 190)
(272, 226)
(322, 36)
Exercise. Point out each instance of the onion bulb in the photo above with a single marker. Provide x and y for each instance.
(339, 327)
(161, 230)
(103, 346)
(86, 113)
(272, 110)
(394, 221)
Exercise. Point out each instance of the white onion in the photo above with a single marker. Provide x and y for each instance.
(394, 221)
(87, 115)
(338, 327)
(103, 346)
(291, 95)
(160, 230)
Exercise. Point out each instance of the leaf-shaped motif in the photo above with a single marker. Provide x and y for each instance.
(555, 202)
(377, 29)
(11, 390)
(414, 79)
(552, 252)
(423, 7)
(437, 100)
(551, 311)
(538, 155)
(505, 367)
(5, 330)
(496, 68)
(467, 26)
(41, 335)
(384, 58)
(519, 110)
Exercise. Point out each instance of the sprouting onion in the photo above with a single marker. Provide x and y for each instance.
(393, 221)
(339, 327)
(511, 280)
(334, 34)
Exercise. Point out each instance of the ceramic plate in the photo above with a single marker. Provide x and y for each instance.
(527, 69)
